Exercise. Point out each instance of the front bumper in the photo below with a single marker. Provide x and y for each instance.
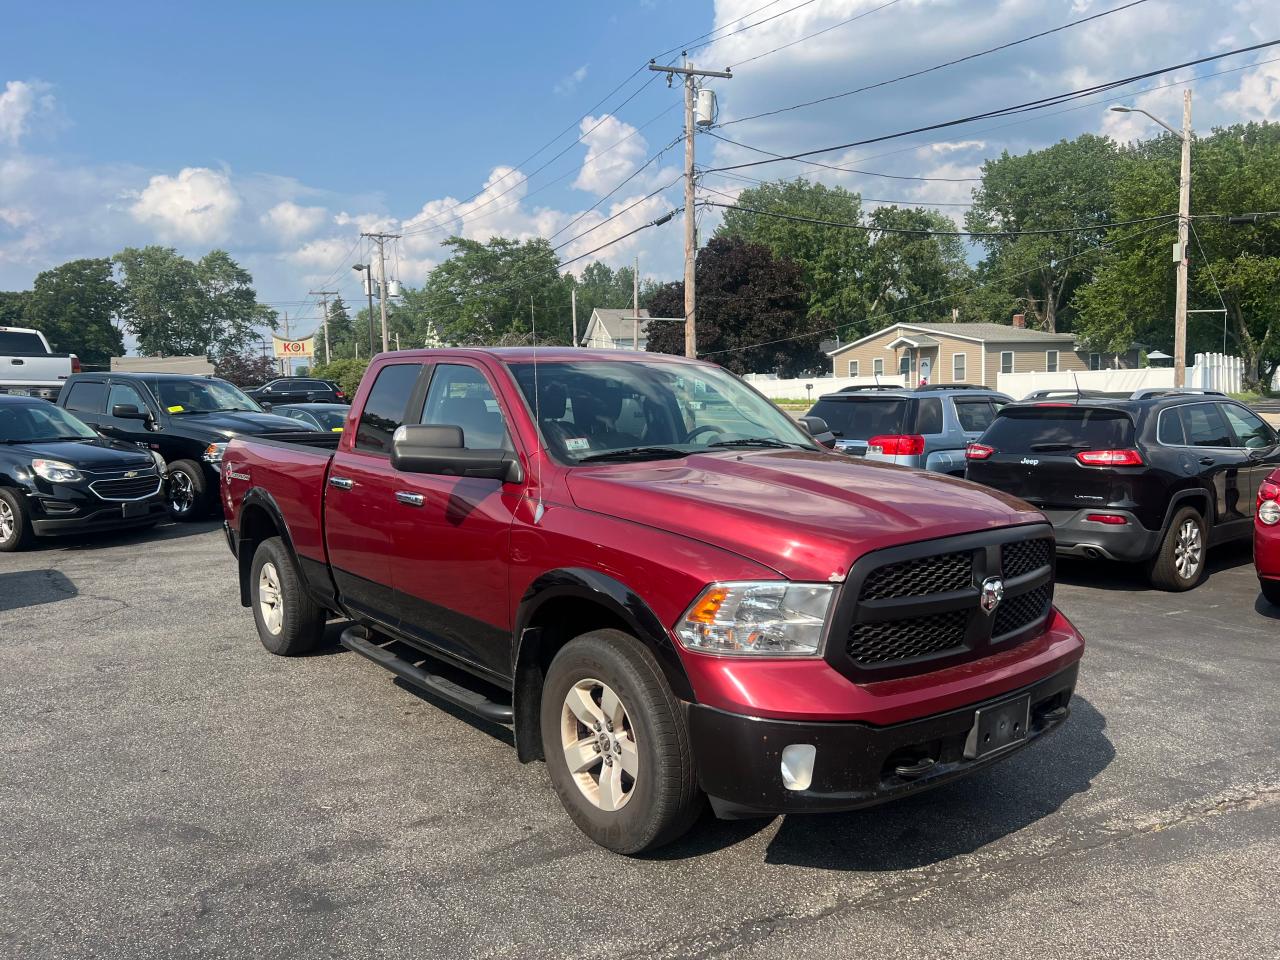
(739, 757)
(67, 508)
(1078, 537)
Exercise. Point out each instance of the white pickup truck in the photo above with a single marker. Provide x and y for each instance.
(29, 368)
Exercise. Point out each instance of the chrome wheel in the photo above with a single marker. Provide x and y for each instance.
(1188, 550)
(270, 602)
(599, 744)
(8, 523)
(182, 492)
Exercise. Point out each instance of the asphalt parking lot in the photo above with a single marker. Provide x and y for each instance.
(169, 789)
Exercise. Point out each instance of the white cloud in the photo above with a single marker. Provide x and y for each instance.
(614, 150)
(196, 206)
(1258, 95)
(567, 85)
(20, 101)
(15, 217)
(957, 145)
(291, 221)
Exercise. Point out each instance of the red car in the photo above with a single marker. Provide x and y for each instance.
(1266, 538)
(667, 588)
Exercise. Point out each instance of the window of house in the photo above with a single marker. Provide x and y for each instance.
(1006, 361)
(1095, 361)
(958, 367)
(904, 366)
(384, 409)
(1051, 361)
(853, 368)
(877, 366)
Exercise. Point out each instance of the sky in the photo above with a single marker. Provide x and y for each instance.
(279, 131)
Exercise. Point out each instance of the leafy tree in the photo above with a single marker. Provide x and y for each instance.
(13, 305)
(341, 328)
(1069, 184)
(1131, 296)
(177, 307)
(75, 305)
(346, 372)
(245, 369)
(747, 298)
(599, 286)
(908, 274)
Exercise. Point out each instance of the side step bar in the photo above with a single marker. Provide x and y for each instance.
(356, 639)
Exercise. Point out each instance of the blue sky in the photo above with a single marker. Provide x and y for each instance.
(279, 130)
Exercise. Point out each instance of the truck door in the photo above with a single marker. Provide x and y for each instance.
(359, 499)
(86, 399)
(450, 548)
(124, 393)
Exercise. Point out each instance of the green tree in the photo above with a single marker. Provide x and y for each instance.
(75, 305)
(246, 369)
(1069, 184)
(915, 277)
(13, 306)
(347, 372)
(341, 329)
(599, 286)
(752, 315)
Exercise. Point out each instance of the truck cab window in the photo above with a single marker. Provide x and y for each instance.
(385, 408)
(124, 393)
(460, 396)
(87, 396)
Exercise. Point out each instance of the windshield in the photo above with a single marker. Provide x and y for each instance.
(330, 419)
(861, 418)
(597, 410)
(34, 422)
(201, 396)
(1026, 429)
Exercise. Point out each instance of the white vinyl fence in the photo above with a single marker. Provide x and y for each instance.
(776, 389)
(1212, 371)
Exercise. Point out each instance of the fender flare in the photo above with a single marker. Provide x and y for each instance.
(606, 592)
(1205, 498)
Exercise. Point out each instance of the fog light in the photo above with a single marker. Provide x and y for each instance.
(1269, 512)
(797, 765)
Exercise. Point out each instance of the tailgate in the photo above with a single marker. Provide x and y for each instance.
(35, 368)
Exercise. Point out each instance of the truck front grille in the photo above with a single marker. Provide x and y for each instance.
(917, 608)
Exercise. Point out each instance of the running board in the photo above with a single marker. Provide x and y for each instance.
(356, 638)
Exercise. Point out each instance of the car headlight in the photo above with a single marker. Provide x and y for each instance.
(768, 618)
(213, 455)
(1269, 512)
(55, 471)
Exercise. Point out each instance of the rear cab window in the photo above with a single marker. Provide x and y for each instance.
(13, 342)
(861, 418)
(384, 410)
(1047, 429)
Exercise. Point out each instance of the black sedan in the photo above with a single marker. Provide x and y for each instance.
(58, 476)
(315, 416)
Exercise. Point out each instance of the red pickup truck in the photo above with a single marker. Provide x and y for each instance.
(661, 581)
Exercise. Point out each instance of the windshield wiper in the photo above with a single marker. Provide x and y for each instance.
(636, 453)
(47, 439)
(756, 442)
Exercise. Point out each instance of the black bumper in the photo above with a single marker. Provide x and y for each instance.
(739, 758)
(1078, 537)
(108, 516)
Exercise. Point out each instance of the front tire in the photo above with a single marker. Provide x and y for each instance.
(15, 524)
(1181, 561)
(289, 622)
(617, 744)
(1271, 591)
(187, 493)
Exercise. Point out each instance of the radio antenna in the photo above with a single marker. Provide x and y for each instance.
(539, 509)
(1076, 380)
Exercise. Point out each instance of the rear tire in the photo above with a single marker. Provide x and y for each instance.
(1181, 561)
(289, 622)
(187, 493)
(1271, 591)
(15, 524)
(606, 704)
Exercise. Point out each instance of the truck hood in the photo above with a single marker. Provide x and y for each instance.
(87, 454)
(807, 515)
(216, 427)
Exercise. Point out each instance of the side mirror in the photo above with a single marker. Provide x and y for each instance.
(423, 448)
(266, 407)
(127, 411)
(814, 425)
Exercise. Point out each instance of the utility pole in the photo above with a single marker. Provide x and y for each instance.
(324, 296)
(381, 240)
(635, 305)
(690, 228)
(367, 270)
(1184, 221)
(573, 309)
(286, 370)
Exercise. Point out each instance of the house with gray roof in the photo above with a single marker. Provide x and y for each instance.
(615, 329)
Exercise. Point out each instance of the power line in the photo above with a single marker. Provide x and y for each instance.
(940, 66)
(750, 26)
(635, 173)
(1023, 107)
(831, 166)
(649, 196)
(818, 33)
(900, 203)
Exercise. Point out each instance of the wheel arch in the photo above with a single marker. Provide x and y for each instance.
(260, 518)
(563, 604)
(1196, 497)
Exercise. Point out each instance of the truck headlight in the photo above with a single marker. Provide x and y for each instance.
(55, 471)
(768, 618)
(213, 455)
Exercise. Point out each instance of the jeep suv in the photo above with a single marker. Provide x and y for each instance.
(1156, 478)
(928, 427)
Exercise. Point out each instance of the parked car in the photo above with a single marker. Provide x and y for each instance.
(299, 390)
(58, 476)
(315, 416)
(1266, 538)
(663, 606)
(186, 419)
(927, 427)
(29, 368)
(1156, 479)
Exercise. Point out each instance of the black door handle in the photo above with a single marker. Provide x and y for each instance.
(1208, 461)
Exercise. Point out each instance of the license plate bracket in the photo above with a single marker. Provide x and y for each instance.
(132, 510)
(998, 727)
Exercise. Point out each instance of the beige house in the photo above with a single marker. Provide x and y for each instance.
(966, 353)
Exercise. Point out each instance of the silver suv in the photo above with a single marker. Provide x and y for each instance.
(928, 427)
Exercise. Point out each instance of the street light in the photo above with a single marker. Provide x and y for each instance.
(1184, 223)
(367, 269)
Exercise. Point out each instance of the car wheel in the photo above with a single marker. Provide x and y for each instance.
(15, 525)
(1271, 591)
(617, 744)
(289, 622)
(186, 494)
(1181, 561)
